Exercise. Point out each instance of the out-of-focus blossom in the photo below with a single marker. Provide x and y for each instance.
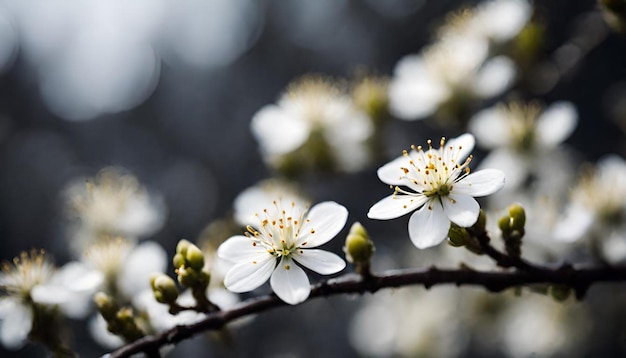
(597, 207)
(458, 65)
(314, 125)
(255, 198)
(407, 323)
(113, 203)
(285, 234)
(537, 326)
(28, 292)
(439, 189)
(119, 268)
(523, 137)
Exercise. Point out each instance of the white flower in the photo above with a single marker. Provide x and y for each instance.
(454, 65)
(285, 235)
(23, 283)
(112, 203)
(437, 183)
(254, 199)
(501, 20)
(314, 106)
(597, 204)
(524, 138)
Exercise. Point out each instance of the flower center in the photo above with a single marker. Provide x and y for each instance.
(279, 230)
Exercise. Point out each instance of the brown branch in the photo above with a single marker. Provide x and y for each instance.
(579, 279)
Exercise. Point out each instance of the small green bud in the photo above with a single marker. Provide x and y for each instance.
(187, 277)
(478, 229)
(178, 260)
(458, 236)
(504, 223)
(165, 290)
(106, 305)
(358, 247)
(181, 247)
(518, 217)
(194, 257)
(560, 293)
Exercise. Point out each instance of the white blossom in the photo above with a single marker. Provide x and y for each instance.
(597, 205)
(314, 107)
(524, 139)
(112, 203)
(285, 234)
(438, 186)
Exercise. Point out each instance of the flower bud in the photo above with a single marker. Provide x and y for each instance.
(458, 236)
(165, 290)
(178, 260)
(358, 247)
(518, 217)
(194, 257)
(560, 293)
(187, 277)
(106, 305)
(181, 247)
(504, 223)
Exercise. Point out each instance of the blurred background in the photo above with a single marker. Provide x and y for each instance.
(168, 92)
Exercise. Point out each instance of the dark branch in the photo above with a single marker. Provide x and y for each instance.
(578, 279)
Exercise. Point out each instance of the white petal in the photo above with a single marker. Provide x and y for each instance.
(494, 77)
(146, 259)
(249, 275)
(428, 226)
(480, 183)
(290, 283)
(322, 223)
(395, 206)
(239, 248)
(461, 209)
(320, 261)
(462, 146)
(392, 172)
(510, 163)
(414, 93)
(78, 277)
(491, 128)
(97, 327)
(502, 20)
(575, 224)
(50, 294)
(277, 131)
(16, 326)
(556, 123)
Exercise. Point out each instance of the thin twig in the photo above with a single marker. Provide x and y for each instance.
(579, 279)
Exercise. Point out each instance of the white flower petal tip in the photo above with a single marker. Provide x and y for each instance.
(438, 184)
(290, 283)
(556, 124)
(286, 233)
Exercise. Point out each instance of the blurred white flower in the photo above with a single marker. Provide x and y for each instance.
(255, 198)
(458, 64)
(286, 234)
(113, 203)
(316, 116)
(27, 285)
(501, 20)
(407, 323)
(438, 186)
(524, 139)
(597, 206)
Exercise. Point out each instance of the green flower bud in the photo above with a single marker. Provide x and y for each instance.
(178, 260)
(194, 257)
(504, 223)
(458, 236)
(106, 305)
(165, 290)
(358, 247)
(187, 277)
(560, 293)
(518, 217)
(181, 247)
